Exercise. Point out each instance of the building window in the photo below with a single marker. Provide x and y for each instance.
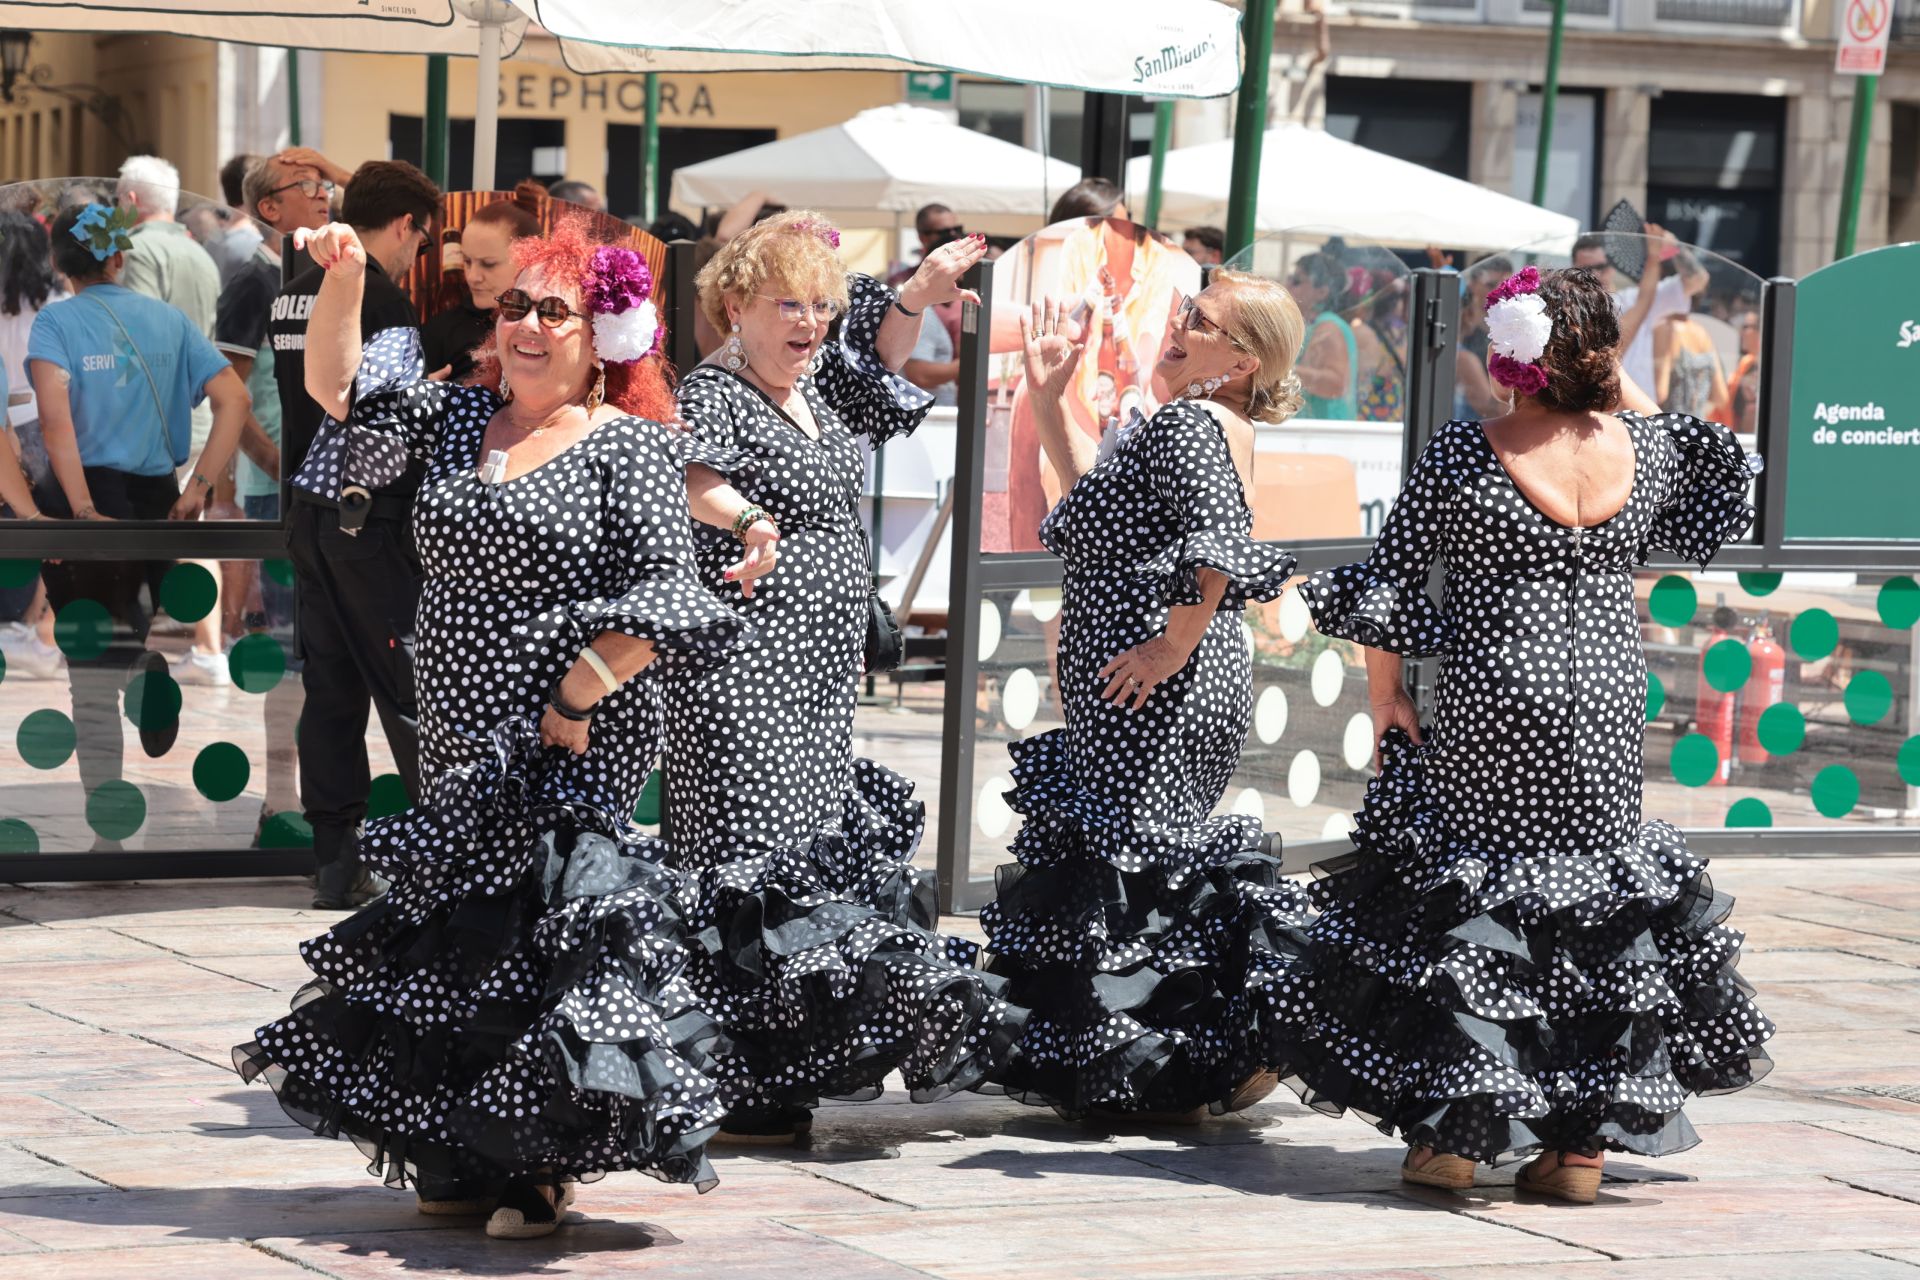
(1573, 175)
(534, 149)
(1714, 171)
(1429, 122)
(1727, 13)
(678, 147)
(1000, 110)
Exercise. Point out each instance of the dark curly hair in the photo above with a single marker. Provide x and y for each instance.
(1581, 359)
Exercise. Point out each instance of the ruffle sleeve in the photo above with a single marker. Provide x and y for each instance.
(648, 557)
(709, 438)
(1191, 469)
(870, 398)
(1383, 602)
(1707, 501)
(395, 414)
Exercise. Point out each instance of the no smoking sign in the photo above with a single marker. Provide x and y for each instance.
(1864, 27)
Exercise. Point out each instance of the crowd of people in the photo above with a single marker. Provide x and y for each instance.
(547, 562)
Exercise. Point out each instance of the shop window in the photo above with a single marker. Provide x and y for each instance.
(1714, 173)
(1428, 122)
(678, 147)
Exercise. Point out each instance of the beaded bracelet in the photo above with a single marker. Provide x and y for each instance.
(565, 712)
(748, 515)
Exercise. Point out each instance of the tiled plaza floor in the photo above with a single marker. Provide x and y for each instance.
(129, 1151)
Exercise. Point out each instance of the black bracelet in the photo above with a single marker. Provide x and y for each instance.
(901, 307)
(565, 712)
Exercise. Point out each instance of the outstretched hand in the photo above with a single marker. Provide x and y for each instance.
(938, 278)
(1051, 357)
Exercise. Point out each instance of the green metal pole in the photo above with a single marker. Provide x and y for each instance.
(434, 147)
(1544, 151)
(1857, 142)
(293, 97)
(1250, 126)
(650, 152)
(1157, 167)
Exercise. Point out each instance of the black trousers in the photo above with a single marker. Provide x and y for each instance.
(128, 589)
(354, 604)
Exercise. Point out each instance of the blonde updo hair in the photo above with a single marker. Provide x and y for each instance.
(791, 255)
(1267, 321)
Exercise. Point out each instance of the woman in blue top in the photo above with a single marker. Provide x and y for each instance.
(117, 376)
(1329, 367)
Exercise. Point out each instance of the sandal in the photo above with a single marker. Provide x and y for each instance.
(1253, 1089)
(1439, 1169)
(1574, 1183)
(446, 1198)
(524, 1213)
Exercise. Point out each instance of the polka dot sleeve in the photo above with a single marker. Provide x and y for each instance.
(387, 430)
(1709, 477)
(872, 399)
(710, 437)
(1190, 469)
(1382, 602)
(655, 592)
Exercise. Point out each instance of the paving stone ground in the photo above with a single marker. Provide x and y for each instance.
(129, 1150)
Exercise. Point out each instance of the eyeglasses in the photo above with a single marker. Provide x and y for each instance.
(309, 187)
(1193, 318)
(515, 303)
(795, 312)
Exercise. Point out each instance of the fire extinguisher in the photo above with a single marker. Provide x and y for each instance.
(1713, 709)
(1766, 686)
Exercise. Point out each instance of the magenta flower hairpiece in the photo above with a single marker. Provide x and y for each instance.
(1527, 379)
(618, 287)
(825, 230)
(1525, 280)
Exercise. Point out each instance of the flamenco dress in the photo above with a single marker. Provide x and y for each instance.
(516, 1006)
(816, 931)
(1141, 929)
(1512, 960)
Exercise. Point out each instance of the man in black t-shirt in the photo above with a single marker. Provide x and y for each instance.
(356, 589)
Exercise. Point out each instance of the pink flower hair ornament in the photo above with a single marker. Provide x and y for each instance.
(618, 288)
(1518, 330)
(825, 230)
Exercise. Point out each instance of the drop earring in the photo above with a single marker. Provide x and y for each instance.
(598, 395)
(733, 356)
(813, 361)
(506, 391)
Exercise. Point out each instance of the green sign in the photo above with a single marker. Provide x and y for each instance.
(929, 86)
(1852, 468)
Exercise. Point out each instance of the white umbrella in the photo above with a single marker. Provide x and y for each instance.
(1308, 177)
(417, 26)
(888, 159)
(1166, 48)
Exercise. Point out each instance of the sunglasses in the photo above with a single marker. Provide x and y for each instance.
(1192, 318)
(794, 312)
(309, 187)
(515, 303)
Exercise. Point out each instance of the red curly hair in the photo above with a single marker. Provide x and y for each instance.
(563, 255)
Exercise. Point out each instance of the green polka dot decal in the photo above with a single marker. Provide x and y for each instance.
(1782, 729)
(257, 662)
(220, 771)
(82, 630)
(1656, 697)
(1908, 761)
(279, 572)
(18, 573)
(153, 701)
(1836, 789)
(1869, 697)
(45, 739)
(1759, 584)
(3, 668)
(387, 796)
(1899, 603)
(1749, 813)
(1727, 665)
(286, 831)
(1672, 601)
(1814, 634)
(18, 837)
(1695, 760)
(116, 810)
(647, 810)
(188, 592)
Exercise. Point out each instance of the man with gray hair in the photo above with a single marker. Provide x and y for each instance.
(167, 263)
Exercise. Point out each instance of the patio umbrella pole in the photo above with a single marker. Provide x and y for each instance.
(293, 97)
(650, 152)
(1156, 171)
(486, 104)
(433, 149)
(1249, 125)
(1548, 93)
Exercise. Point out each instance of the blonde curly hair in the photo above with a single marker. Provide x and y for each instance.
(791, 255)
(1267, 322)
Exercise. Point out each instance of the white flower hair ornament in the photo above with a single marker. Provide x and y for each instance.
(1518, 330)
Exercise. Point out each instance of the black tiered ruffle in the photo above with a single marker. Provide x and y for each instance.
(1494, 1007)
(823, 965)
(513, 1005)
(1145, 952)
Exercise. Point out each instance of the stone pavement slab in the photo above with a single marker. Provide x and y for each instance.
(129, 1150)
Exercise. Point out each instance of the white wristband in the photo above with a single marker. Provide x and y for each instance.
(600, 668)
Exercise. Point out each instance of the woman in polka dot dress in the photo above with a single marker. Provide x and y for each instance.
(1140, 930)
(821, 961)
(510, 1017)
(1512, 962)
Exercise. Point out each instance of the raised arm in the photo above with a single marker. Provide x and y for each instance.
(1051, 362)
(936, 281)
(333, 326)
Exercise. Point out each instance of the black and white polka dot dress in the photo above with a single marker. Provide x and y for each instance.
(1513, 960)
(821, 960)
(1138, 927)
(515, 1002)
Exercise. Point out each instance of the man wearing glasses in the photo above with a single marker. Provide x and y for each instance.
(356, 578)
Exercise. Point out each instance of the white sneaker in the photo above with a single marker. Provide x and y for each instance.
(195, 667)
(28, 656)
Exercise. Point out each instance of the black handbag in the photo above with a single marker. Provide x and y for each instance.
(886, 645)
